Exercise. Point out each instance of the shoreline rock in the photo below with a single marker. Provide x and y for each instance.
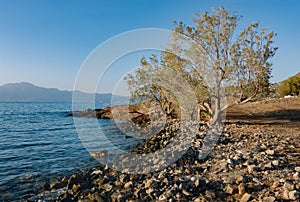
(193, 179)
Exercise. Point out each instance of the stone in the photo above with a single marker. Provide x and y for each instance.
(285, 195)
(251, 168)
(297, 169)
(242, 189)
(95, 197)
(296, 176)
(268, 165)
(64, 180)
(270, 152)
(269, 199)
(294, 195)
(186, 193)
(246, 197)
(76, 189)
(288, 186)
(275, 184)
(275, 163)
(127, 184)
(148, 183)
(56, 185)
(162, 197)
(229, 189)
(230, 161)
(240, 179)
(45, 186)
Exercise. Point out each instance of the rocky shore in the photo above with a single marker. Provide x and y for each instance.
(255, 159)
(249, 163)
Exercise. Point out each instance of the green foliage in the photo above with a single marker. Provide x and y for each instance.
(291, 86)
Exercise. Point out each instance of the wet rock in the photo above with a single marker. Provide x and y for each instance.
(45, 186)
(57, 185)
(75, 189)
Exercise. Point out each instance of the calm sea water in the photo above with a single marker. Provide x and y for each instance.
(39, 143)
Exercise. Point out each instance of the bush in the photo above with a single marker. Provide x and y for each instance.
(291, 86)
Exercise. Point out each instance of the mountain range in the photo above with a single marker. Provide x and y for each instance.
(27, 92)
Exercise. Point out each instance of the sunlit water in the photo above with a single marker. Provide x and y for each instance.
(39, 143)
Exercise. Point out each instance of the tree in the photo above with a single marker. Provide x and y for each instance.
(218, 65)
(291, 86)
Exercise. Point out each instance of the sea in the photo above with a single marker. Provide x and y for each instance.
(39, 143)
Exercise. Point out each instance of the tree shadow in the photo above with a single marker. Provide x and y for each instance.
(272, 118)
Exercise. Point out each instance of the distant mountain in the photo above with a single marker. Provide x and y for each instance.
(27, 92)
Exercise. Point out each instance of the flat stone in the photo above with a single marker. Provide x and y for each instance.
(268, 165)
(246, 197)
(186, 193)
(297, 169)
(269, 199)
(229, 189)
(242, 189)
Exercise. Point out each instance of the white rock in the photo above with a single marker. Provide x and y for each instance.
(270, 152)
(275, 163)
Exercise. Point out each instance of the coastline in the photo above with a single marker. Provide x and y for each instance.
(256, 159)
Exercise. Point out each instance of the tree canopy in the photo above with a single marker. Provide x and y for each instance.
(291, 86)
(222, 67)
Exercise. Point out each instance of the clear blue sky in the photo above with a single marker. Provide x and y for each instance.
(45, 42)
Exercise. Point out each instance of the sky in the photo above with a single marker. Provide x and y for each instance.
(46, 42)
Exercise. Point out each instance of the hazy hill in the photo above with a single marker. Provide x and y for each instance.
(27, 92)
